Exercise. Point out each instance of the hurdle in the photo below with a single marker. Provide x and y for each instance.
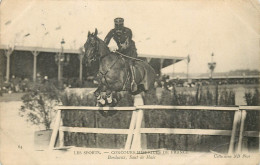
(60, 129)
(179, 131)
(242, 132)
(133, 141)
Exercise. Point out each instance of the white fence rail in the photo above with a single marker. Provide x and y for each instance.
(135, 130)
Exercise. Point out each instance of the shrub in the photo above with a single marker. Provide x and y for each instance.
(252, 118)
(252, 98)
(201, 96)
(209, 95)
(73, 99)
(150, 97)
(38, 104)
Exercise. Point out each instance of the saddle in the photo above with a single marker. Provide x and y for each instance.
(141, 69)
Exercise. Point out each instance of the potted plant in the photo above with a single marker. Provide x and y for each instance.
(37, 108)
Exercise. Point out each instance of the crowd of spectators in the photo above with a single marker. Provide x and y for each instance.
(165, 82)
(17, 84)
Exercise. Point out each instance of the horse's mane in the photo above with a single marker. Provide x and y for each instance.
(103, 44)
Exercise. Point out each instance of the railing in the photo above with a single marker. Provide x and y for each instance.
(242, 133)
(135, 130)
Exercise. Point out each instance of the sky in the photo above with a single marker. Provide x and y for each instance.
(229, 29)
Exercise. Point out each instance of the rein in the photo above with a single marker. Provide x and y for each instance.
(104, 74)
(121, 54)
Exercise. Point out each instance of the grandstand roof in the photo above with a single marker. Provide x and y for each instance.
(165, 29)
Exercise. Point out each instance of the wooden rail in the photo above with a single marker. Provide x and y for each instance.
(165, 107)
(134, 132)
(87, 108)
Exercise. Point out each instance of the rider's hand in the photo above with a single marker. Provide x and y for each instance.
(112, 49)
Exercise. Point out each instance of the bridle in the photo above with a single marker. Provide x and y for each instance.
(94, 51)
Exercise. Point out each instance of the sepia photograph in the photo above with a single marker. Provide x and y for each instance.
(129, 82)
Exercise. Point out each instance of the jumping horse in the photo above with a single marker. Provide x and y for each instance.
(114, 72)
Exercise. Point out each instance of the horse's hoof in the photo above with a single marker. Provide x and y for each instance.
(102, 101)
(109, 100)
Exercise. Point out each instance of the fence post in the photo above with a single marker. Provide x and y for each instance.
(129, 139)
(143, 136)
(137, 135)
(236, 120)
(241, 132)
(61, 135)
(55, 130)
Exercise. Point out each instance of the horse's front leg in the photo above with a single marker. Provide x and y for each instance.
(98, 95)
(112, 98)
(109, 96)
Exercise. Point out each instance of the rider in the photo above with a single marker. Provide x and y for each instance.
(123, 37)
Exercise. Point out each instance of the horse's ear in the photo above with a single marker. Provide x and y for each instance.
(88, 33)
(96, 32)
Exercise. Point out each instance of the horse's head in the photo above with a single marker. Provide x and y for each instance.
(91, 47)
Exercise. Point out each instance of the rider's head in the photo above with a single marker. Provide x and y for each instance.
(119, 23)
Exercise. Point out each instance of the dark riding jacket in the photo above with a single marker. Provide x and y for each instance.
(123, 39)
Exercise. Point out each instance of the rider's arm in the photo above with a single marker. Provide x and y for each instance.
(129, 31)
(109, 36)
(126, 44)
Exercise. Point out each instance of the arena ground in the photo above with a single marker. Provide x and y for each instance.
(17, 147)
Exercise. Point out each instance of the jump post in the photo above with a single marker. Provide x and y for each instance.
(133, 141)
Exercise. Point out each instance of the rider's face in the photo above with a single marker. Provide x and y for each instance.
(119, 29)
(119, 26)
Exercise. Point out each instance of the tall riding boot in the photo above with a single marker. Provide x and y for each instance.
(133, 84)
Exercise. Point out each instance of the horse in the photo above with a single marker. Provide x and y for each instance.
(114, 71)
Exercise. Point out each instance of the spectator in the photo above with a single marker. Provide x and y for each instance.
(38, 78)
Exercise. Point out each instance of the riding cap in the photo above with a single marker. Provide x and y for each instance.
(119, 21)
